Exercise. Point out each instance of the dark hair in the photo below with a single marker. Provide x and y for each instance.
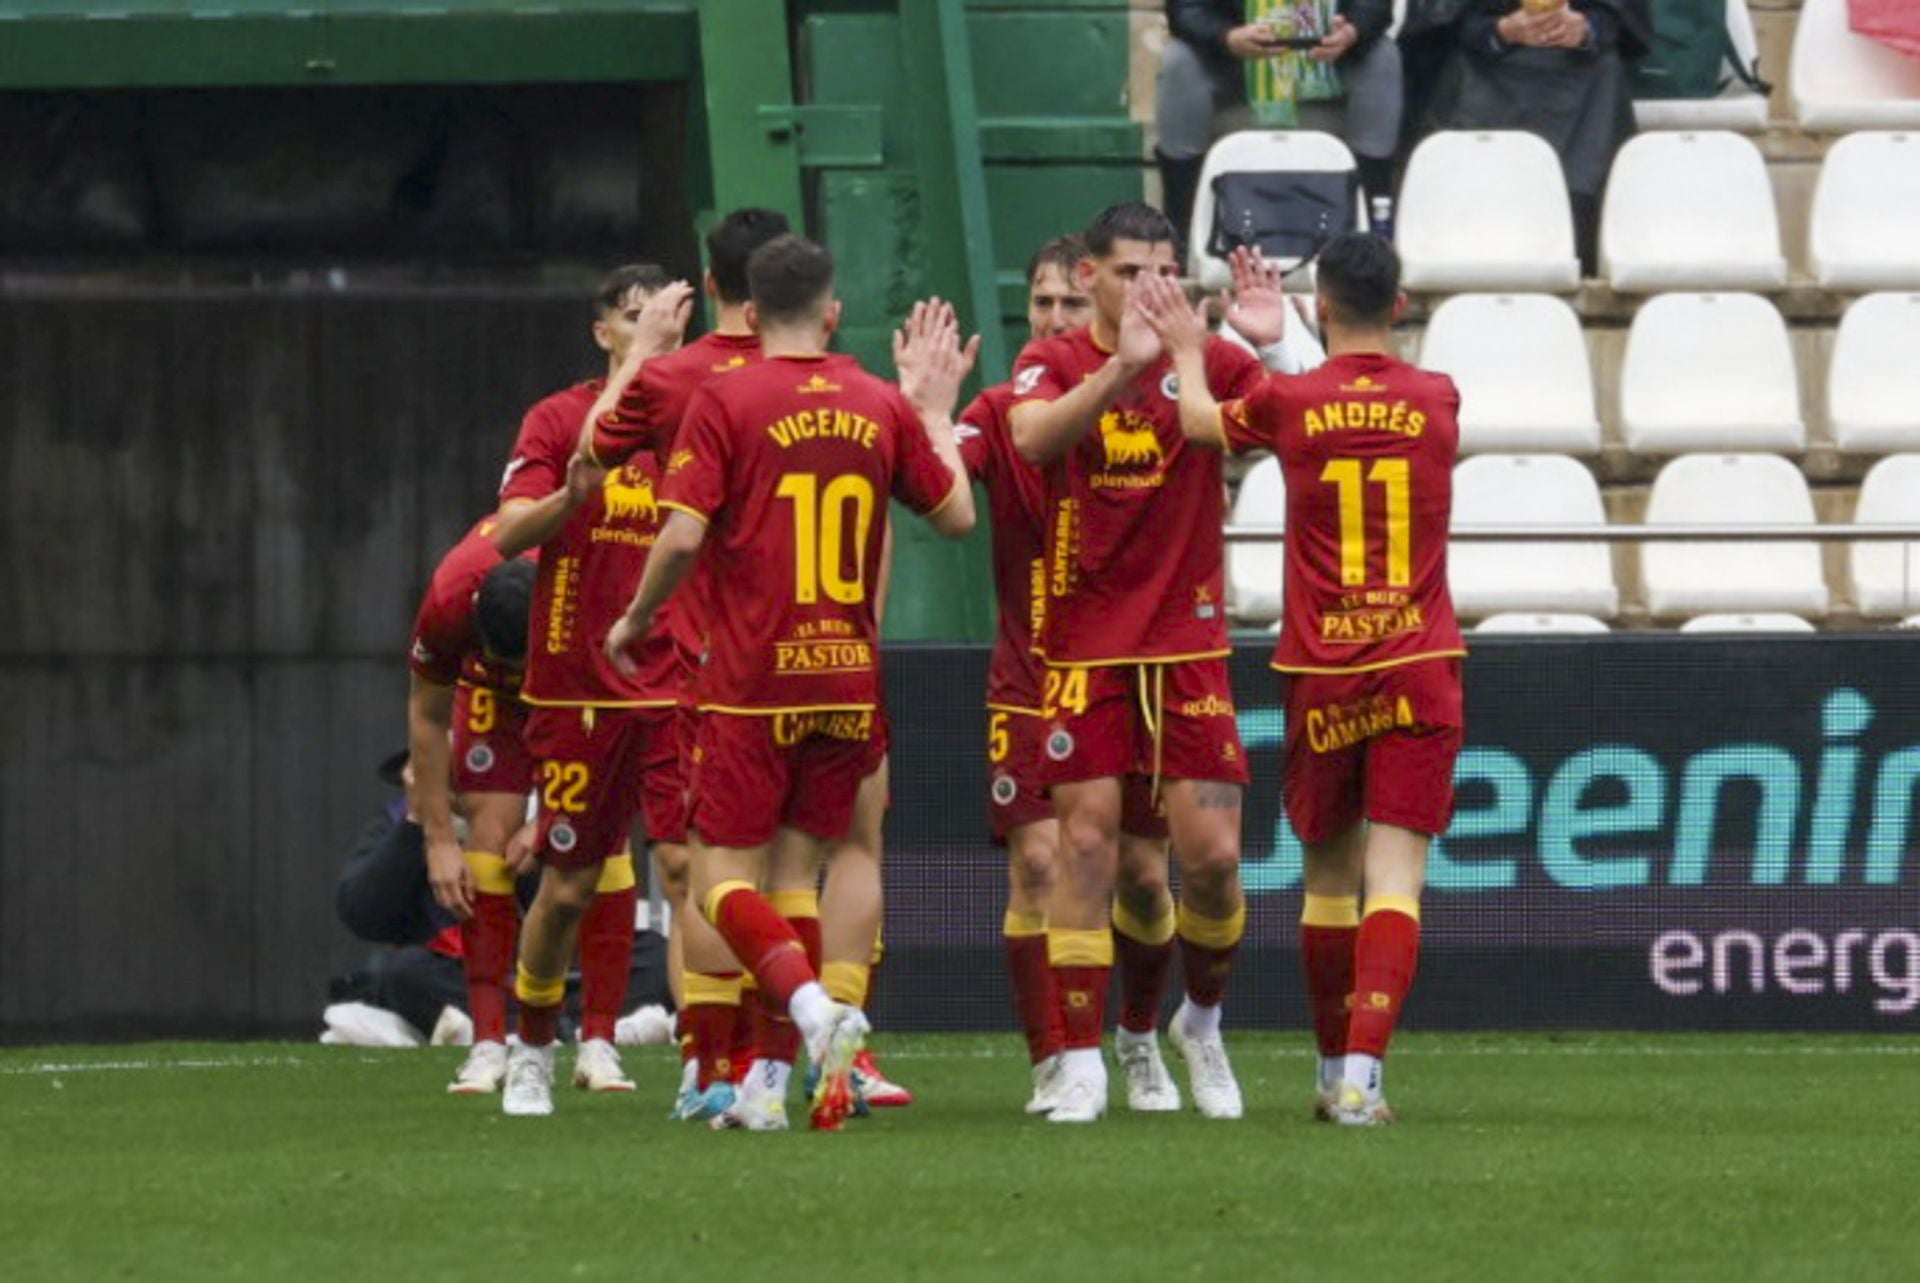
(732, 243)
(614, 287)
(501, 609)
(1063, 252)
(1359, 274)
(1127, 221)
(789, 277)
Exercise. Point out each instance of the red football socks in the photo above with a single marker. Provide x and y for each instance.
(1386, 955)
(708, 1019)
(1144, 951)
(488, 938)
(1033, 992)
(1329, 928)
(606, 958)
(1082, 962)
(1208, 947)
(761, 939)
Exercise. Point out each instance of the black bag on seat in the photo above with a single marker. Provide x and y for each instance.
(1288, 215)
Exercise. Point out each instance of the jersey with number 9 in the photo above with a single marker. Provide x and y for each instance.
(790, 463)
(1367, 445)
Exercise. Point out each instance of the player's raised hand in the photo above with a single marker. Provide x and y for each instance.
(583, 475)
(450, 878)
(664, 317)
(1258, 308)
(1139, 343)
(930, 360)
(1180, 327)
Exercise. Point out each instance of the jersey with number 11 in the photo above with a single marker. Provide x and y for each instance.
(1367, 445)
(790, 463)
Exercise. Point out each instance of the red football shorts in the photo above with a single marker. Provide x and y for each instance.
(754, 775)
(489, 742)
(663, 773)
(1015, 746)
(588, 779)
(1377, 746)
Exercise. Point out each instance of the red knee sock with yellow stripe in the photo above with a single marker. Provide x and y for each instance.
(769, 946)
(708, 1018)
(1208, 947)
(487, 940)
(1386, 954)
(1034, 996)
(1329, 928)
(540, 998)
(774, 1035)
(1082, 963)
(1144, 951)
(743, 1022)
(606, 949)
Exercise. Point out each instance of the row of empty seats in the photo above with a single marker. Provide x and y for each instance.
(1679, 579)
(1523, 622)
(1683, 211)
(1701, 372)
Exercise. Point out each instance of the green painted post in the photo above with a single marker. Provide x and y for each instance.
(744, 66)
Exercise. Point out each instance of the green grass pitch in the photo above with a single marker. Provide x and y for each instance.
(1522, 1157)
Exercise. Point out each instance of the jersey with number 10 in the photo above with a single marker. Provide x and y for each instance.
(790, 463)
(1367, 444)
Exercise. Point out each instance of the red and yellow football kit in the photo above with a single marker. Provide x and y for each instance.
(790, 463)
(1368, 637)
(1134, 630)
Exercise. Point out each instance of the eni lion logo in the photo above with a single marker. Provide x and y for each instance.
(629, 496)
(1129, 441)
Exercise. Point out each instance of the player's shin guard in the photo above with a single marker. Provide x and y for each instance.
(1082, 963)
(1034, 995)
(708, 1019)
(1207, 950)
(540, 998)
(1144, 951)
(487, 940)
(1385, 956)
(606, 949)
(1329, 928)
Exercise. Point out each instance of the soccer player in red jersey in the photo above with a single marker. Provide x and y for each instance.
(707, 979)
(595, 732)
(1368, 642)
(778, 485)
(1020, 814)
(1142, 737)
(469, 641)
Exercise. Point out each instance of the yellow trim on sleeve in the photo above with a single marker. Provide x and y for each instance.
(846, 982)
(704, 990)
(490, 873)
(1212, 933)
(802, 903)
(1329, 910)
(616, 874)
(1408, 905)
(1079, 948)
(1157, 932)
(1022, 926)
(710, 907)
(695, 513)
(1279, 667)
(533, 991)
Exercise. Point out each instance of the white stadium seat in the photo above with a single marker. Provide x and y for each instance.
(1485, 211)
(1255, 570)
(1885, 577)
(1524, 623)
(1840, 80)
(1709, 372)
(1764, 623)
(1865, 230)
(1873, 384)
(1525, 379)
(1297, 151)
(1690, 211)
(1736, 106)
(1731, 489)
(1530, 490)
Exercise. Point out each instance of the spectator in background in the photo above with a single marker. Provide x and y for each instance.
(1555, 68)
(1203, 86)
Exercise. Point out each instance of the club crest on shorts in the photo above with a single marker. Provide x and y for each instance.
(562, 837)
(1004, 790)
(1170, 386)
(480, 759)
(1060, 744)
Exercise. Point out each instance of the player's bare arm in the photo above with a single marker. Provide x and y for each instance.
(1182, 328)
(673, 555)
(1257, 307)
(528, 523)
(658, 327)
(932, 365)
(1043, 432)
(430, 794)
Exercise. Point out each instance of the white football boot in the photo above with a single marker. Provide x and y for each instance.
(482, 1072)
(1357, 1107)
(596, 1067)
(1216, 1094)
(1047, 1077)
(833, 1048)
(529, 1087)
(1150, 1088)
(1082, 1098)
